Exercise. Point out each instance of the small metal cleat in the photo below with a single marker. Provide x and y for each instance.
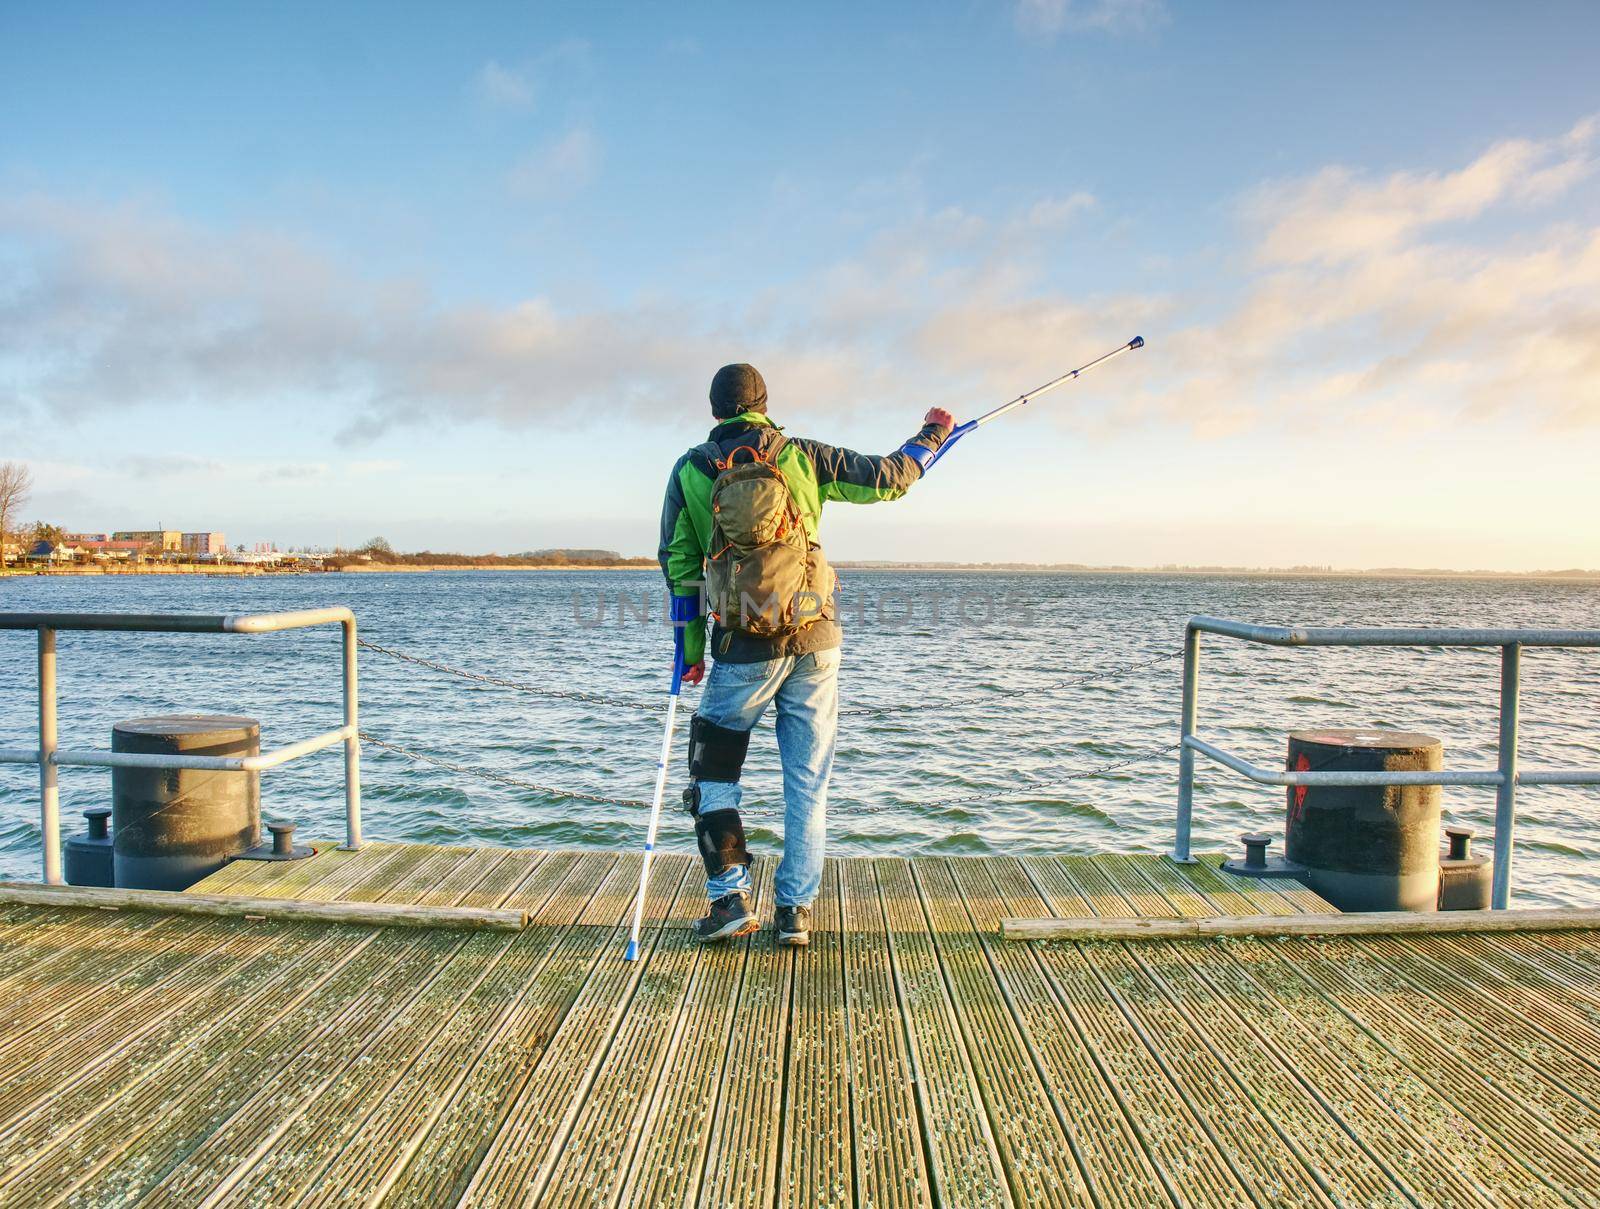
(1256, 862)
(281, 848)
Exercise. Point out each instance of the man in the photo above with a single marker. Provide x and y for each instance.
(741, 518)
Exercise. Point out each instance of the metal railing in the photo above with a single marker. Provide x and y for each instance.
(1505, 776)
(49, 756)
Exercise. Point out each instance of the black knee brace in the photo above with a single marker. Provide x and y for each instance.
(716, 753)
(719, 834)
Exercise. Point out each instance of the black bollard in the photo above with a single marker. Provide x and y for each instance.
(1466, 882)
(173, 827)
(1366, 848)
(88, 860)
(281, 847)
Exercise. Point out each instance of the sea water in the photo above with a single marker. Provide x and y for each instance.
(1020, 686)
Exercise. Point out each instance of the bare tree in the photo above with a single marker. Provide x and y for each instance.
(16, 483)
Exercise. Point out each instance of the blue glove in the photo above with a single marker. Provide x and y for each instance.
(688, 640)
(926, 457)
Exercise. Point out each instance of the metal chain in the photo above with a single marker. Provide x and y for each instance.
(863, 711)
(521, 686)
(1024, 783)
(1084, 774)
(504, 778)
(1069, 682)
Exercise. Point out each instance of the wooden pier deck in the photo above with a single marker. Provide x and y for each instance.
(910, 1057)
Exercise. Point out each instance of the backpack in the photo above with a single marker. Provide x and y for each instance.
(763, 574)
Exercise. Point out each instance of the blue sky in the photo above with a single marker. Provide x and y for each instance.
(459, 275)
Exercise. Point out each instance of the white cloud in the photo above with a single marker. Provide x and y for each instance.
(558, 169)
(1048, 18)
(1403, 299)
(1428, 313)
(501, 87)
(1338, 214)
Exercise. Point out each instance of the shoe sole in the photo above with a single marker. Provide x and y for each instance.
(738, 927)
(795, 940)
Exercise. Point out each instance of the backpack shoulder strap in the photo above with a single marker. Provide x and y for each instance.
(704, 458)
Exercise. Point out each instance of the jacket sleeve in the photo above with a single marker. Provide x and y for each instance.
(682, 557)
(865, 478)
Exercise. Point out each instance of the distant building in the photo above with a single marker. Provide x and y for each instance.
(81, 538)
(52, 552)
(103, 547)
(162, 539)
(203, 543)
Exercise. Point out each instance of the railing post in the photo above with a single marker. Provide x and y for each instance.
(352, 742)
(49, 792)
(1191, 692)
(1505, 807)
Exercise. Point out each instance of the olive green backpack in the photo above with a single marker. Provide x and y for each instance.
(763, 575)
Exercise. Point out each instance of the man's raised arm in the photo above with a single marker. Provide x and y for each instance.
(865, 478)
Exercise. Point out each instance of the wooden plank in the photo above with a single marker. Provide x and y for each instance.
(513, 869)
(214, 1165)
(216, 883)
(274, 879)
(814, 1158)
(740, 1168)
(450, 890)
(590, 1155)
(963, 1158)
(335, 883)
(396, 914)
(1355, 923)
(1341, 1164)
(330, 870)
(80, 971)
(1550, 959)
(424, 1122)
(1092, 1116)
(1453, 1139)
(426, 1041)
(597, 987)
(684, 1107)
(37, 1016)
(438, 865)
(303, 1109)
(889, 1164)
(1542, 1018)
(1335, 1157)
(184, 1170)
(104, 1070)
(158, 1120)
(1262, 1157)
(1181, 895)
(1529, 1117)
(1176, 1140)
(1269, 891)
(1400, 1144)
(375, 881)
(1233, 895)
(57, 950)
(1039, 1161)
(180, 1059)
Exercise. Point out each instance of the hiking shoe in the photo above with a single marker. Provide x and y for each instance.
(794, 926)
(729, 916)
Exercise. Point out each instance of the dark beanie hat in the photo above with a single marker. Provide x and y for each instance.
(737, 388)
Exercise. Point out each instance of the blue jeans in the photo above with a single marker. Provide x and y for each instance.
(806, 690)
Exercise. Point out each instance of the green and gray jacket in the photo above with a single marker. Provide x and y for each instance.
(815, 473)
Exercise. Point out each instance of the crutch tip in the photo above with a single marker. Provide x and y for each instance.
(633, 951)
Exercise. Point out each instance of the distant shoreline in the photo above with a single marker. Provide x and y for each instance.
(378, 568)
(1223, 572)
(1570, 577)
